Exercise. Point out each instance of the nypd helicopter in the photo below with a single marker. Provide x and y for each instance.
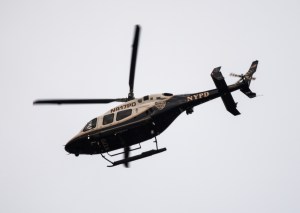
(137, 120)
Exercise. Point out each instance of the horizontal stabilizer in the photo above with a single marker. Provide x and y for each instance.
(225, 93)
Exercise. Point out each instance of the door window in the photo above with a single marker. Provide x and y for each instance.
(123, 114)
(107, 119)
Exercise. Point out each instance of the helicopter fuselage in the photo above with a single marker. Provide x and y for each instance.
(136, 121)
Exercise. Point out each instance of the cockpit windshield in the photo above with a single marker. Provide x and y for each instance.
(90, 125)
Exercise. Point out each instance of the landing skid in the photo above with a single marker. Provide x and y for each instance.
(137, 157)
(133, 158)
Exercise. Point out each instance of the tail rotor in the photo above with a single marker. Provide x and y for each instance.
(248, 77)
(245, 79)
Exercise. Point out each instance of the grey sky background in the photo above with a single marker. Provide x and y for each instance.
(215, 162)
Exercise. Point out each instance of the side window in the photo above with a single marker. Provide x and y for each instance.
(123, 114)
(107, 119)
(146, 98)
(90, 125)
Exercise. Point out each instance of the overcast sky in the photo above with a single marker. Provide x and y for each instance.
(215, 162)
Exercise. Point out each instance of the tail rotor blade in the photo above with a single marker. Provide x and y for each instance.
(242, 76)
(235, 75)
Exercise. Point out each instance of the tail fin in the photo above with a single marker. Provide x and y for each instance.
(247, 80)
(251, 71)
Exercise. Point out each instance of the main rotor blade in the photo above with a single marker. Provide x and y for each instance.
(126, 156)
(133, 61)
(79, 101)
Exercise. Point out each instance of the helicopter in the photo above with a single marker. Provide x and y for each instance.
(137, 120)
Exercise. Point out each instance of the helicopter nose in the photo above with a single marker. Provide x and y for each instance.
(70, 147)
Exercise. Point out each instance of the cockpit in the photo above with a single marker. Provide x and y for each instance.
(90, 125)
(117, 115)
